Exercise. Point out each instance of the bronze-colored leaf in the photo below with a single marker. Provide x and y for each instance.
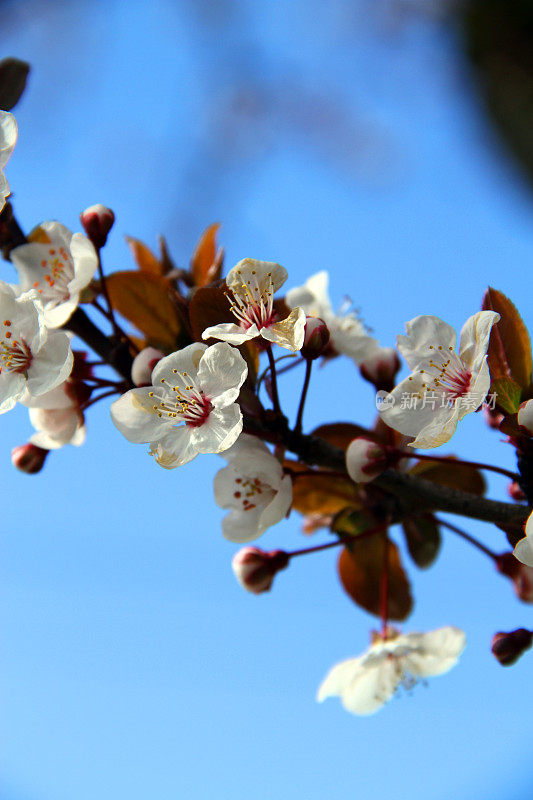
(509, 353)
(144, 299)
(144, 258)
(352, 522)
(360, 568)
(456, 476)
(205, 266)
(340, 434)
(322, 493)
(423, 539)
(508, 394)
(13, 76)
(209, 306)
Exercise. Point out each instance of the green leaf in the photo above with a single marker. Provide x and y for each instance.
(508, 394)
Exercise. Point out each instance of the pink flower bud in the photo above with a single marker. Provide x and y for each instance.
(255, 569)
(316, 338)
(514, 490)
(493, 418)
(525, 416)
(97, 221)
(520, 574)
(508, 647)
(365, 460)
(28, 458)
(143, 365)
(380, 368)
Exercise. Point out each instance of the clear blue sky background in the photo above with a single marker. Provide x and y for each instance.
(323, 136)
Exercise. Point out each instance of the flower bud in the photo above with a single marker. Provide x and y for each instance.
(365, 460)
(508, 647)
(97, 221)
(28, 458)
(316, 338)
(255, 569)
(143, 365)
(493, 418)
(520, 574)
(525, 416)
(380, 368)
(514, 490)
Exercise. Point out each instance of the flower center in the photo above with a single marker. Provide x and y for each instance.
(449, 373)
(58, 272)
(15, 354)
(181, 400)
(251, 492)
(252, 301)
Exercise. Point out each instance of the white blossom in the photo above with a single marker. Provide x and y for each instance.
(33, 360)
(251, 286)
(367, 682)
(524, 548)
(348, 335)
(445, 385)
(58, 269)
(8, 138)
(57, 418)
(254, 487)
(190, 408)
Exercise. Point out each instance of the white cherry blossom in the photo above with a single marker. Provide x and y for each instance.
(367, 682)
(8, 138)
(524, 548)
(58, 269)
(57, 419)
(33, 359)
(251, 286)
(348, 335)
(190, 408)
(254, 487)
(445, 385)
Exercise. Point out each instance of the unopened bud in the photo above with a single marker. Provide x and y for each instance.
(380, 368)
(525, 416)
(508, 647)
(143, 365)
(520, 574)
(255, 569)
(28, 458)
(365, 460)
(493, 418)
(316, 338)
(97, 221)
(514, 490)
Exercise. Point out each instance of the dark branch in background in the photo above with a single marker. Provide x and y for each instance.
(114, 352)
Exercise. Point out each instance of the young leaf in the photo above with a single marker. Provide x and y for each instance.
(209, 306)
(205, 266)
(144, 258)
(360, 567)
(341, 434)
(509, 353)
(322, 493)
(423, 539)
(456, 476)
(508, 394)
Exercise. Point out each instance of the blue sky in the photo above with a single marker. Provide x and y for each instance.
(323, 138)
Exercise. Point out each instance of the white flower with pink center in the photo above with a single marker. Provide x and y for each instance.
(8, 138)
(190, 407)
(33, 360)
(57, 418)
(254, 488)
(57, 269)
(348, 335)
(251, 287)
(445, 385)
(366, 683)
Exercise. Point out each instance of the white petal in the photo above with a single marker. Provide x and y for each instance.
(422, 333)
(57, 233)
(313, 296)
(288, 332)
(475, 335)
(242, 526)
(221, 373)
(220, 430)
(435, 652)
(225, 486)
(440, 430)
(363, 687)
(56, 398)
(411, 420)
(85, 262)
(175, 448)
(264, 272)
(524, 548)
(231, 333)
(8, 136)
(278, 507)
(134, 416)
(51, 365)
(185, 360)
(12, 388)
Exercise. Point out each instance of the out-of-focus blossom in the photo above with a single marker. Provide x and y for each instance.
(190, 408)
(525, 416)
(366, 683)
(380, 368)
(57, 418)
(144, 364)
(8, 138)
(57, 270)
(524, 548)
(255, 569)
(254, 488)
(444, 385)
(251, 286)
(365, 460)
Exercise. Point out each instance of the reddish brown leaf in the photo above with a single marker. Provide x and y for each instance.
(209, 306)
(456, 476)
(144, 258)
(322, 494)
(423, 539)
(360, 568)
(341, 434)
(205, 266)
(509, 353)
(145, 301)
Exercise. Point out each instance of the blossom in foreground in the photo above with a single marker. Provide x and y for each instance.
(8, 138)
(524, 548)
(444, 385)
(190, 408)
(33, 360)
(251, 286)
(366, 683)
(348, 335)
(254, 487)
(57, 418)
(57, 269)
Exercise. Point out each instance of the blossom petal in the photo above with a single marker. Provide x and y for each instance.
(221, 373)
(524, 548)
(435, 652)
(51, 365)
(440, 430)
(425, 333)
(242, 526)
(474, 339)
(266, 273)
(313, 296)
(185, 360)
(363, 688)
(8, 136)
(288, 332)
(231, 333)
(410, 420)
(175, 449)
(278, 507)
(134, 416)
(85, 262)
(220, 430)
(12, 387)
